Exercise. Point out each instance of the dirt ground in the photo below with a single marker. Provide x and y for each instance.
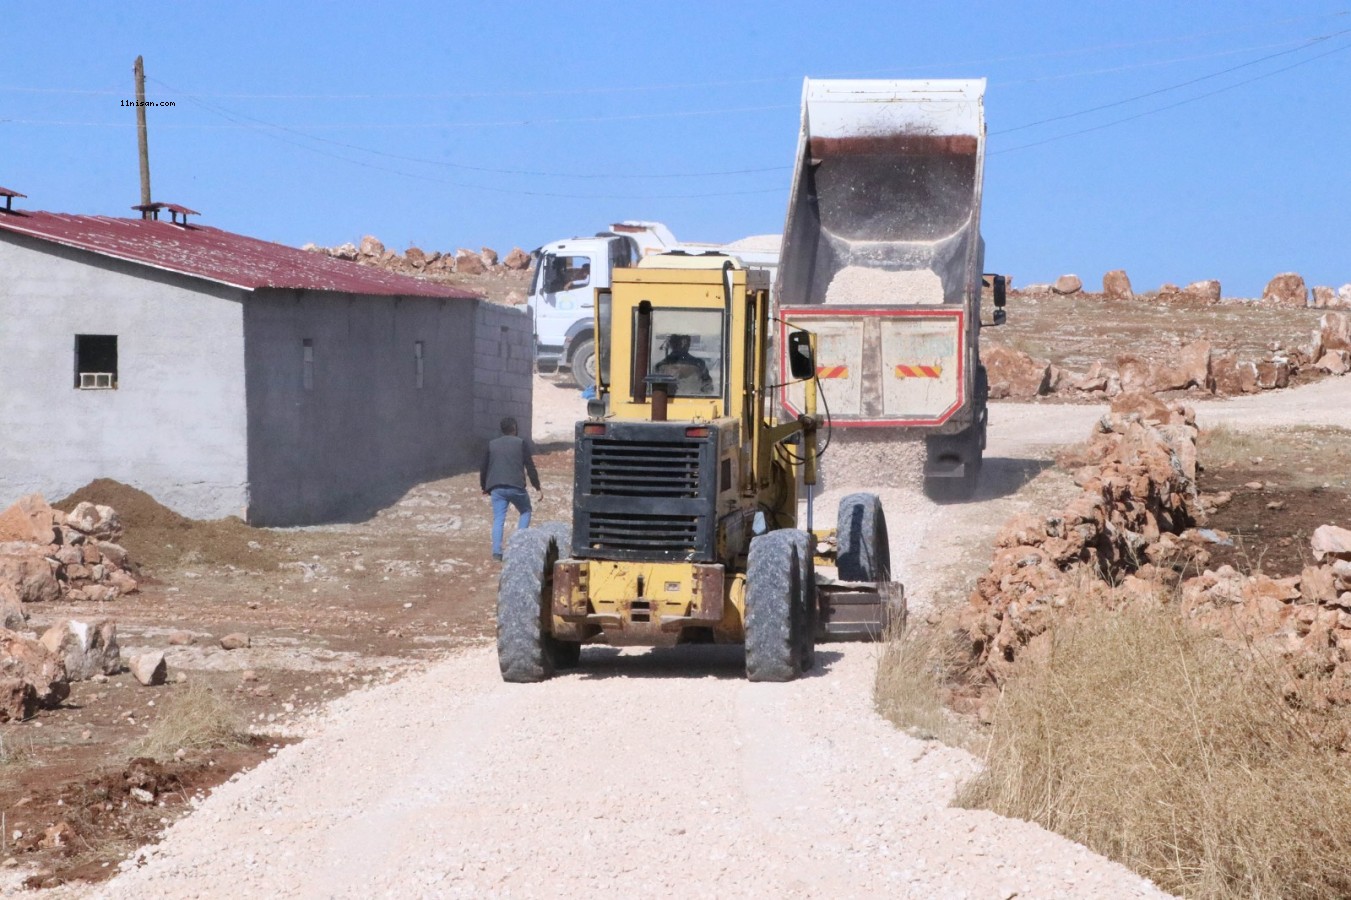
(334, 609)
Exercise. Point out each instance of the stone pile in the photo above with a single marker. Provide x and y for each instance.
(1195, 367)
(1135, 514)
(416, 261)
(47, 555)
(1304, 620)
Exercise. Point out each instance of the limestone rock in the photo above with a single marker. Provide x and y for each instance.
(1335, 362)
(113, 553)
(29, 574)
(1068, 284)
(1135, 372)
(517, 260)
(1116, 285)
(515, 298)
(1273, 374)
(415, 258)
(29, 519)
(1191, 367)
(1287, 289)
(467, 262)
(1324, 296)
(1334, 331)
(489, 256)
(1015, 375)
(31, 677)
(149, 668)
(11, 608)
(1207, 292)
(235, 641)
(1143, 405)
(85, 648)
(371, 248)
(346, 252)
(1329, 540)
(181, 639)
(95, 521)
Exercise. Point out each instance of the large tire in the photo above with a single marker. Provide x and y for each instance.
(863, 551)
(773, 649)
(525, 651)
(562, 533)
(566, 654)
(806, 610)
(583, 361)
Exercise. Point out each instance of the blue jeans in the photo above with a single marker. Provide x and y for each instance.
(502, 496)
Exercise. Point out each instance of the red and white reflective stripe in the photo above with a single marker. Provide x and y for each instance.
(919, 371)
(832, 371)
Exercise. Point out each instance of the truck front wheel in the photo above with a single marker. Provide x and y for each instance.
(583, 361)
(526, 652)
(773, 608)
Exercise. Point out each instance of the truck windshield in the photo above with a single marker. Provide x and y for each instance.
(687, 344)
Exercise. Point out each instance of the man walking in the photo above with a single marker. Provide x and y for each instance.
(502, 477)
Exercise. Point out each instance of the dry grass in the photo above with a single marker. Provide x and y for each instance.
(194, 718)
(913, 682)
(1162, 748)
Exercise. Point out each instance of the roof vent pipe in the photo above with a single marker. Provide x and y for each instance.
(9, 197)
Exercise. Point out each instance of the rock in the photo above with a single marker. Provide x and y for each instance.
(31, 677)
(1335, 362)
(149, 668)
(1068, 284)
(85, 648)
(30, 575)
(1015, 375)
(1287, 289)
(1207, 291)
(122, 583)
(515, 298)
(29, 520)
(346, 251)
(11, 608)
(1329, 540)
(56, 836)
(1097, 378)
(1343, 300)
(1135, 372)
(1142, 404)
(415, 258)
(371, 248)
(1273, 374)
(1324, 296)
(1189, 368)
(141, 795)
(1116, 285)
(467, 262)
(181, 639)
(517, 260)
(489, 256)
(1334, 331)
(1247, 377)
(95, 521)
(1317, 584)
(312, 247)
(235, 641)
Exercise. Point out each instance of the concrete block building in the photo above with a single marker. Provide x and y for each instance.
(227, 375)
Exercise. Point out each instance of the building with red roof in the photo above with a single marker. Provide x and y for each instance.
(228, 375)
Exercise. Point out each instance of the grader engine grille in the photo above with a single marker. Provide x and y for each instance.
(644, 469)
(645, 491)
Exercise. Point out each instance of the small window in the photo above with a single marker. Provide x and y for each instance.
(566, 273)
(687, 345)
(307, 354)
(417, 362)
(95, 361)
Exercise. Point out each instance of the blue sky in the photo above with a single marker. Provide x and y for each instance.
(447, 125)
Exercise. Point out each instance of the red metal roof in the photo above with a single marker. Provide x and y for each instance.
(220, 256)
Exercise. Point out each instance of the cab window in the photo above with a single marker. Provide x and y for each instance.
(687, 344)
(566, 273)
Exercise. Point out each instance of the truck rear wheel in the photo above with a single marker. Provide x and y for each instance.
(864, 552)
(773, 601)
(583, 361)
(525, 651)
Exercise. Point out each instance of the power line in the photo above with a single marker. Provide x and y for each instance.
(1150, 112)
(1173, 87)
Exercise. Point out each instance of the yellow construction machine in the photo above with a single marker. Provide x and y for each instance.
(686, 492)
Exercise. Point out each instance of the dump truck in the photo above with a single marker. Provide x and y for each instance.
(882, 259)
(684, 524)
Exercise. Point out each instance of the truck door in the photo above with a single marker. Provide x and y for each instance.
(564, 293)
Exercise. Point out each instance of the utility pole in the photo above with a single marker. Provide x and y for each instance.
(142, 139)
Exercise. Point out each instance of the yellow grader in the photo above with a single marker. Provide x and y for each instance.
(686, 491)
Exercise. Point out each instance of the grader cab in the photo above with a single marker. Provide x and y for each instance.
(685, 493)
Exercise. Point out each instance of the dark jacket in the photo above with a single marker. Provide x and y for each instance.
(506, 463)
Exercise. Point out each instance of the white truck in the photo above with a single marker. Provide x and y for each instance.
(568, 272)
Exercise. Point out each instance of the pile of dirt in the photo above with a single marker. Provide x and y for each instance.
(159, 538)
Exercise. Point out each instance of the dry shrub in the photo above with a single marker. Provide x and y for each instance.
(194, 718)
(1176, 755)
(914, 682)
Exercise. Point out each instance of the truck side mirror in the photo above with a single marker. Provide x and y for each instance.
(801, 360)
(1000, 285)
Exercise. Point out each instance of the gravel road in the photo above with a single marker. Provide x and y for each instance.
(651, 773)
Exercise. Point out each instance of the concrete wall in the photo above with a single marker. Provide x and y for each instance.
(504, 366)
(364, 433)
(176, 424)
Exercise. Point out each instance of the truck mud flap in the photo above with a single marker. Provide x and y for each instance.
(857, 611)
